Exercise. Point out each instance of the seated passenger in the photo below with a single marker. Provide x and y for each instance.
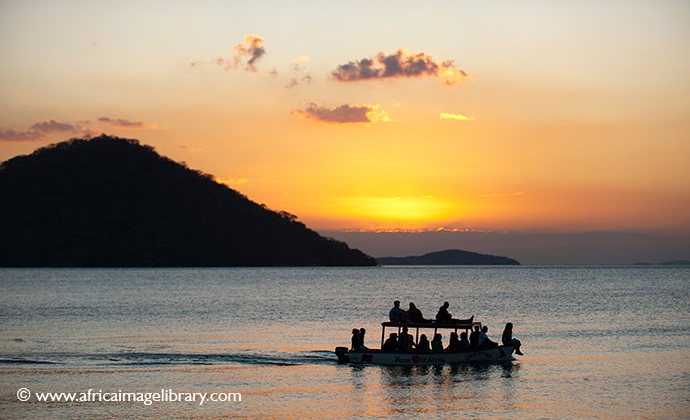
(464, 343)
(415, 315)
(484, 341)
(437, 343)
(355, 339)
(397, 315)
(423, 345)
(442, 316)
(405, 341)
(508, 340)
(391, 343)
(474, 338)
(454, 343)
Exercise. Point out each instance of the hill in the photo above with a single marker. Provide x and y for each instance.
(675, 262)
(111, 201)
(448, 257)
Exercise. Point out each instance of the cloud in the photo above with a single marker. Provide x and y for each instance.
(344, 114)
(294, 81)
(505, 194)
(190, 149)
(456, 117)
(120, 123)
(401, 63)
(231, 181)
(39, 130)
(297, 62)
(51, 126)
(252, 49)
(18, 136)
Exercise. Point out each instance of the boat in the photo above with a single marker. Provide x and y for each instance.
(502, 353)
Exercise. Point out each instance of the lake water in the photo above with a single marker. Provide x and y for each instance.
(599, 342)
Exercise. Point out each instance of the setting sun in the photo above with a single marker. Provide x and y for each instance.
(397, 209)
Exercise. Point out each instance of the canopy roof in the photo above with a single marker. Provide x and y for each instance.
(458, 326)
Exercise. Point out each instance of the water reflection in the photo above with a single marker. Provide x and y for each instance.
(444, 388)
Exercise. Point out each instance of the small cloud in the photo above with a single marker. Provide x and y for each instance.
(401, 63)
(505, 194)
(344, 114)
(51, 126)
(190, 149)
(297, 62)
(456, 117)
(248, 53)
(20, 136)
(294, 81)
(41, 129)
(231, 181)
(120, 123)
(252, 50)
(273, 73)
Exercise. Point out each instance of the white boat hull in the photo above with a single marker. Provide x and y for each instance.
(379, 357)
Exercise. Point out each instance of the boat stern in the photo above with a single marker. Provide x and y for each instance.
(342, 354)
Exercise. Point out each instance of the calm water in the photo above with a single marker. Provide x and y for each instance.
(599, 342)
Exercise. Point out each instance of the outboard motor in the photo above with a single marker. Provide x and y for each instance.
(343, 357)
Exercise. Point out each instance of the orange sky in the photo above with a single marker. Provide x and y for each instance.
(566, 117)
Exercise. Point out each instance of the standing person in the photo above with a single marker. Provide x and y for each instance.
(474, 338)
(508, 340)
(397, 315)
(355, 339)
(362, 331)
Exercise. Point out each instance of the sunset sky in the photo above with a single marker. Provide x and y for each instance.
(544, 116)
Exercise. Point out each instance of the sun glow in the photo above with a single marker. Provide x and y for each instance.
(408, 209)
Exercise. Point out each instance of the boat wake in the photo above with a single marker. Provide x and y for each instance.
(251, 358)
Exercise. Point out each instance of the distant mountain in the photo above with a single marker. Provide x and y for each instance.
(110, 201)
(448, 257)
(676, 262)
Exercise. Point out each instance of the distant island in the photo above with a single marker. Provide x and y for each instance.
(448, 257)
(676, 262)
(113, 202)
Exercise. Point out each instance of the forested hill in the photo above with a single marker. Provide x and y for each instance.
(110, 201)
(449, 257)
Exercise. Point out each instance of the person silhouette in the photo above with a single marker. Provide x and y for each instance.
(356, 345)
(508, 340)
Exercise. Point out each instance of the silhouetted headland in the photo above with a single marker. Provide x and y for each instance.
(112, 202)
(675, 262)
(449, 257)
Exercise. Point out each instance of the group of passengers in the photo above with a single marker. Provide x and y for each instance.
(414, 315)
(404, 342)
